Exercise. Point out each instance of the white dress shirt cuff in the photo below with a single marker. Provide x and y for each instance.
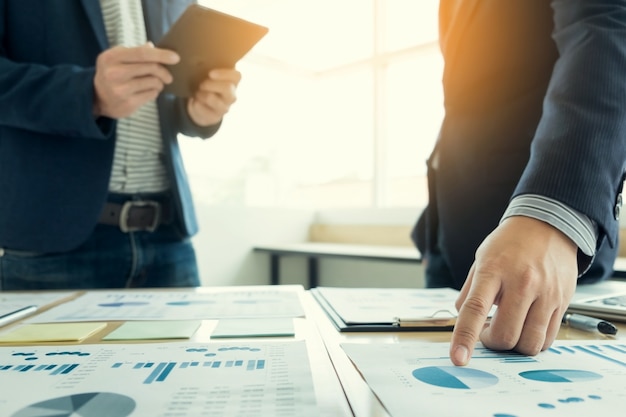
(574, 224)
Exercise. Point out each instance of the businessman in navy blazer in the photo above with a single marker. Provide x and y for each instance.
(60, 227)
(526, 177)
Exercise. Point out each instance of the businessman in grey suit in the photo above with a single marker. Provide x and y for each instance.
(525, 180)
(92, 184)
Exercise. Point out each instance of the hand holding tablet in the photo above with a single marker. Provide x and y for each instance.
(206, 39)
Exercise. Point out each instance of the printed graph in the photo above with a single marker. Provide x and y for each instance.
(158, 372)
(52, 369)
(455, 377)
(578, 378)
(560, 375)
(158, 380)
(152, 305)
(92, 404)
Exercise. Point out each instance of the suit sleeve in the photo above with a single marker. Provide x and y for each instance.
(56, 99)
(578, 155)
(49, 100)
(187, 127)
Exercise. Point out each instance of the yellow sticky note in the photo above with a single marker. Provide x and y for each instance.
(51, 332)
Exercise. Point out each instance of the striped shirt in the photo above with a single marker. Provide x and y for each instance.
(138, 164)
(574, 224)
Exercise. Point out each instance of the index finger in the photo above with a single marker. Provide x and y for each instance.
(148, 54)
(472, 317)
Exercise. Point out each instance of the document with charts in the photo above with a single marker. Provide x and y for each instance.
(158, 380)
(571, 379)
(213, 303)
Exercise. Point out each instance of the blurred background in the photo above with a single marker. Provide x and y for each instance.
(339, 106)
(337, 112)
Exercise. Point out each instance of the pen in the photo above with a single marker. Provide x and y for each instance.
(425, 321)
(590, 324)
(16, 315)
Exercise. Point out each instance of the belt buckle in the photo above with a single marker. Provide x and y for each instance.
(124, 227)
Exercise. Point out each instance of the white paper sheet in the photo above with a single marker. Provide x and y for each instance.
(383, 305)
(174, 305)
(11, 301)
(571, 379)
(157, 380)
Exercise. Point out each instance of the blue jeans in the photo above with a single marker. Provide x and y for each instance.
(110, 258)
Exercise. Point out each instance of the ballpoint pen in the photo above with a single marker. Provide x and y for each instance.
(16, 315)
(590, 324)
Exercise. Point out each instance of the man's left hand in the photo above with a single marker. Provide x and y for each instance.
(214, 97)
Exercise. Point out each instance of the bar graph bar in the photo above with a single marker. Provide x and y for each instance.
(55, 369)
(604, 352)
(160, 371)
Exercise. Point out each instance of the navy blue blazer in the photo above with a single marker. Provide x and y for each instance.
(535, 103)
(55, 158)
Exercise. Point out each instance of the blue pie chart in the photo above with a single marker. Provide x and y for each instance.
(124, 304)
(560, 375)
(455, 377)
(90, 404)
(189, 303)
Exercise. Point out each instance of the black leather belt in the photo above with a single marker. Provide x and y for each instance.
(137, 215)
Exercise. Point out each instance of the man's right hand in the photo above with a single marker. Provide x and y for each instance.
(527, 268)
(127, 78)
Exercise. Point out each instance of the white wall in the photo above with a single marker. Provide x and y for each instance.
(228, 234)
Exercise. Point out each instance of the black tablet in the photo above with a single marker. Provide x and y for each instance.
(206, 39)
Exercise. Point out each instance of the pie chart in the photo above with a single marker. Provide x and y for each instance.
(189, 303)
(124, 304)
(455, 377)
(560, 375)
(91, 404)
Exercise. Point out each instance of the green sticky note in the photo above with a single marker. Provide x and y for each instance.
(165, 329)
(51, 332)
(274, 327)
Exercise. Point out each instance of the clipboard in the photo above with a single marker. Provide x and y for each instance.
(342, 306)
(206, 39)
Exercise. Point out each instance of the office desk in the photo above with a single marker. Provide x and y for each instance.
(331, 401)
(362, 400)
(314, 251)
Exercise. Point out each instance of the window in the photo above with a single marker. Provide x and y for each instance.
(339, 106)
